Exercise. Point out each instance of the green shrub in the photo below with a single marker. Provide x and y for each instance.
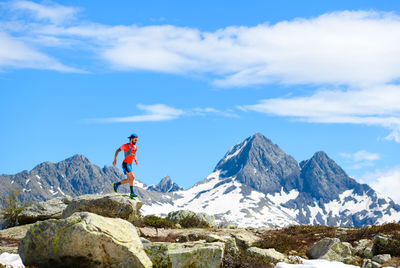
(12, 207)
(192, 221)
(157, 222)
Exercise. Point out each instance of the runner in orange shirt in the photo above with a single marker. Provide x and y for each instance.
(130, 155)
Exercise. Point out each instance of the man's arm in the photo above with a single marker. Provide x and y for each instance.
(115, 157)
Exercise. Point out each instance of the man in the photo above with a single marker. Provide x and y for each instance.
(130, 155)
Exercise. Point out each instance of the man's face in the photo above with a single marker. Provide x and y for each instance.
(133, 140)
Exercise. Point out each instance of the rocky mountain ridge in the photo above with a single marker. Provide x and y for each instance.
(257, 184)
(254, 184)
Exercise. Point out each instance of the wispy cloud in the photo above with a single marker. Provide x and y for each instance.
(209, 110)
(360, 159)
(15, 54)
(162, 112)
(156, 112)
(361, 156)
(370, 106)
(53, 12)
(386, 182)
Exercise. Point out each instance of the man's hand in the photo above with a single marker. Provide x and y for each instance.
(137, 163)
(114, 162)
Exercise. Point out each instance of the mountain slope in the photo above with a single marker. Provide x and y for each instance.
(73, 176)
(257, 184)
(260, 164)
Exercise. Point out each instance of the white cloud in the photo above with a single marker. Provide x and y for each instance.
(53, 12)
(351, 48)
(371, 106)
(15, 54)
(156, 112)
(360, 159)
(354, 48)
(209, 110)
(361, 156)
(162, 112)
(386, 182)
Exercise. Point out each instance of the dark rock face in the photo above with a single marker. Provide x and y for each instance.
(259, 163)
(324, 179)
(73, 176)
(166, 185)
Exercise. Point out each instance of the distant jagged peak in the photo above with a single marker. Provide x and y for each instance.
(166, 185)
(77, 157)
(244, 148)
(322, 161)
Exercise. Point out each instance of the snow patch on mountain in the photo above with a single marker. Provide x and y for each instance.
(283, 197)
(235, 150)
(226, 200)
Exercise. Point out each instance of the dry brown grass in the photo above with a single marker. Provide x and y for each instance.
(394, 262)
(301, 238)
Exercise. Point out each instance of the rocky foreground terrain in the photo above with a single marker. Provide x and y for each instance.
(108, 230)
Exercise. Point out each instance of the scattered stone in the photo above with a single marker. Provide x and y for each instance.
(246, 239)
(375, 264)
(152, 232)
(367, 263)
(269, 257)
(190, 254)
(180, 216)
(83, 240)
(381, 258)
(363, 248)
(108, 205)
(331, 249)
(41, 211)
(144, 240)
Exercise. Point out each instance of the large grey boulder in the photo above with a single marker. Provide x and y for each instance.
(108, 205)
(331, 249)
(41, 211)
(83, 240)
(181, 215)
(265, 257)
(197, 254)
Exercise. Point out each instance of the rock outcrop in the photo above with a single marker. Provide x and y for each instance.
(109, 205)
(190, 254)
(83, 240)
(41, 211)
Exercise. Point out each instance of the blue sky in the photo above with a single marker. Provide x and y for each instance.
(194, 79)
